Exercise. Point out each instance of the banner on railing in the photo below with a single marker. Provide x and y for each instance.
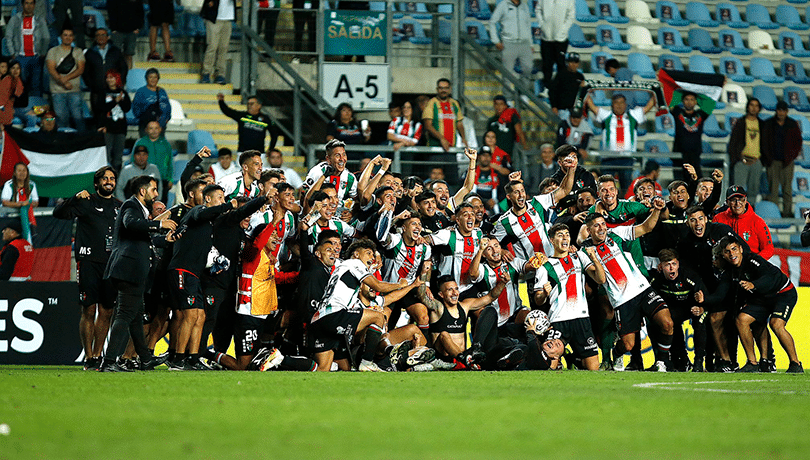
(355, 33)
(795, 264)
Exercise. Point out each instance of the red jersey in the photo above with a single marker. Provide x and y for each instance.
(25, 259)
(751, 228)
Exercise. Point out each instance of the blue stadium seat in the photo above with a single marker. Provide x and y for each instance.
(93, 17)
(762, 68)
(445, 30)
(640, 64)
(729, 15)
(801, 183)
(575, 36)
(136, 78)
(731, 118)
(799, 208)
(608, 35)
(700, 63)
(583, 12)
(770, 211)
(478, 9)
(198, 138)
(732, 67)
(669, 13)
(793, 70)
(609, 11)
(378, 6)
(788, 16)
(701, 40)
(698, 13)
(796, 98)
(766, 96)
(598, 60)
(791, 43)
(804, 124)
(446, 8)
(706, 147)
(669, 62)
(759, 16)
(712, 128)
(670, 38)
(597, 130)
(665, 124)
(656, 146)
(415, 10)
(179, 166)
(412, 30)
(732, 41)
(478, 31)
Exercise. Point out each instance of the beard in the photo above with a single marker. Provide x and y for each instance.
(103, 192)
(148, 202)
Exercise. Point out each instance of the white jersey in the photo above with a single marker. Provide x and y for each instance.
(567, 277)
(509, 302)
(219, 172)
(235, 186)
(528, 232)
(403, 261)
(624, 279)
(344, 230)
(456, 253)
(343, 288)
(345, 183)
(285, 229)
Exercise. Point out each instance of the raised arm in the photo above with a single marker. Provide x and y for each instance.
(381, 286)
(570, 162)
(469, 181)
(649, 224)
(397, 295)
(422, 291)
(475, 265)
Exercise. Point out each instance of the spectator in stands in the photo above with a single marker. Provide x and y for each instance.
(689, 121)
(151, 102)
(11, 88)
(547, 166)
(268, 16)
(47, 123)
(615, 70)
(160, 151)
(652, 171)
(110, 114)
(515, 40)
(405, 129)
(76, 21)
(161, 14)
(620, 133)
(442, 118)
(566, 84)
(345, 128)
(20, 192)
(740, 216)
(27, 40)
(22, 102)
(100, 58)
(555, 18)
(65, 65)
(276, 160)
(574, 131)
(805, 236)
(506, 126)
(125, 21)
(394, 110)
(253, 125)
(140, 166)
(224, 165)
(305, 19)
(17, 254)
(745, 147)
(782, 137)
(219, 16)
(501, 161)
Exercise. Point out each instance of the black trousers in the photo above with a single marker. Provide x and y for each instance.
(552, 53)
(128, 321)
(306, 19)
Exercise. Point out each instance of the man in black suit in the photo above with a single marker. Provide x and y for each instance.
(128, 268)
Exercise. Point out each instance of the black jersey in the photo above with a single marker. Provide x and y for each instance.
(315, 276)
(768, 280)
(447, 323)
(95, 217)
(435, 223)
(679, 294)
(191, 251)
(696, 253)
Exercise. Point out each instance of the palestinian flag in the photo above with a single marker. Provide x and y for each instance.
(63, 165)
(707, 86)
(9, 156)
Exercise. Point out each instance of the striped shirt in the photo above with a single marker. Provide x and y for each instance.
(403, 261)
(527, 232)
(456, 252)
(624, 278)
(567, 277)
(509, 302)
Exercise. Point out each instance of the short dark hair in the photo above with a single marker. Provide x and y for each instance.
(247, 155)
(316, 197)
(606, 178)
(140, 182)
(193, 184)
(324, 237)
(445, 80)
(100, 174)
(438, 181)
(444, 279)
(725, 242)
(552, 231)
(665, 255)
(612, 64)
(675, 184)
(283, 187)
(381, 190)
(564, 150)
(693, 209)
(510, 186)
(592, 217)
(642, 181)
(426, 195)
(224, 152)
(211, 188)
(462, 206)
(617, 97)
(547, 182)
(361, 243)
(269, 174)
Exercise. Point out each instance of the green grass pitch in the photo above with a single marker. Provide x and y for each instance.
(65, 413)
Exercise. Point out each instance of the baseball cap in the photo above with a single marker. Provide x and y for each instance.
(735, 190)
(572, 57)
(13, 224)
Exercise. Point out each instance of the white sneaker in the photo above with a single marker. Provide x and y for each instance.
(369, 366)
(421, 355)
(659, 366)
(272, 361)
(618, 364)
(424, 367)
(441, 365)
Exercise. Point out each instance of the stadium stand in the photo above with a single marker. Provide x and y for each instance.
(729, 15)
(701, 40)
(731, 40)
(638, 11)
(762, 69)
(759, 16)
(671, 39)
(583, 12)
(670, 62)
(732, 67)
(788, 16)
(640, 65)
(697, 13)
(609, 11)
(639, 36)
(608, 35)
(669, 13)
(792, 43)
(576, 37)
(793, 70)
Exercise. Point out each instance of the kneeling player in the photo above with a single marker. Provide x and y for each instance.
(545, 348)
(338, 318)
(562, 282)
(769, 299)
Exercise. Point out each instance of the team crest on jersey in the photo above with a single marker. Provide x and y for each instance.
(190, 300)
(746, 236)
(209, 299)
(82, 296)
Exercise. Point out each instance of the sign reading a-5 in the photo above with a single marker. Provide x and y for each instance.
(364, 86)
(355, 33)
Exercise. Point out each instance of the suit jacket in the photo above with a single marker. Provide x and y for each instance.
(131, 248)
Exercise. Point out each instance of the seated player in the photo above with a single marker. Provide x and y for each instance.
(448, 318)
(629, 291)
(683, 291)
(338, 318)
(769, 298)
(561, 281)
